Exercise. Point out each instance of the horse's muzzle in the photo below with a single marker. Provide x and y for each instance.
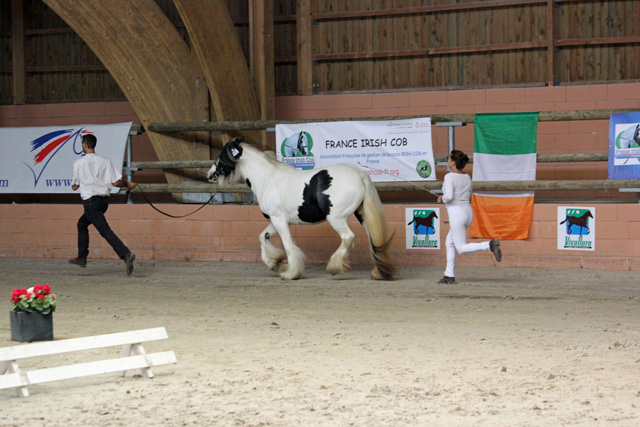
(213, 177)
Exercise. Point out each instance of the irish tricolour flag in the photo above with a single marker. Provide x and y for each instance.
(504, 150)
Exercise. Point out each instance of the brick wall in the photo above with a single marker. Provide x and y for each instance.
(230, 233)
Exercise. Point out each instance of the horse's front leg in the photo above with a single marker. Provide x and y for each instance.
(295, 267)
(271, 256)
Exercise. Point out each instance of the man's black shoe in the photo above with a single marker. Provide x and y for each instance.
(128, 260)
(447, 280)
(79, 261)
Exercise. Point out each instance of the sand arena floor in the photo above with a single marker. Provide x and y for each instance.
(503, 347)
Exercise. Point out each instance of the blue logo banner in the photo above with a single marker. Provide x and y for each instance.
(624, 146)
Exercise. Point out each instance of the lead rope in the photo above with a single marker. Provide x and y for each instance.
(127, 195)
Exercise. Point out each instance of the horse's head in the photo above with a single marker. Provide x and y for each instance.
(588, 213)
(225, 164)
(302, 144)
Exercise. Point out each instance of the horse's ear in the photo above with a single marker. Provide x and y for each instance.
(233, 149)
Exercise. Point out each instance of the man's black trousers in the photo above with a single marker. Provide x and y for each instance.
(94, 210)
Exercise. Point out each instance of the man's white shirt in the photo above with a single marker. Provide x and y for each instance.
(95, 175)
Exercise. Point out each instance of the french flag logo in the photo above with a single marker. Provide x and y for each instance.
(45, 147)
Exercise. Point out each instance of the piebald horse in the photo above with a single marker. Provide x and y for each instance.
(287, 195)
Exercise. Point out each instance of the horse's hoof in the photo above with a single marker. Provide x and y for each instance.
(334, 271)
(287, 274)
(273, 265)
(290, 276)
(377, 275)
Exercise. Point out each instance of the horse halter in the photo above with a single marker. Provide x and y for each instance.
(228, 158)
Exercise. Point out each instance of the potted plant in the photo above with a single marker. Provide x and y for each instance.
(32, 314)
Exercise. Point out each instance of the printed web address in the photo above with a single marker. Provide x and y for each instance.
(393, 172)
(58, 182)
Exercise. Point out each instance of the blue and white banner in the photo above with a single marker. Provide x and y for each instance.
(40, 159)
(422, 230)
(624, 146)
(386, 150)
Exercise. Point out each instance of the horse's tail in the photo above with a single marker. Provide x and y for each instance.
(565, 220)
(374, 222)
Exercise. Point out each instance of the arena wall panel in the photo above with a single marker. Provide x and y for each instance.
(229, 233)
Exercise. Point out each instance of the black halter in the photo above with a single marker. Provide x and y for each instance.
(228, 158)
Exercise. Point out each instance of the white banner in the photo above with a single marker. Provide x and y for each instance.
(40, 159)
(383, 149)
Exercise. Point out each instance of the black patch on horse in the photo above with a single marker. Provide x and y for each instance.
(315, 204)
(248, 182)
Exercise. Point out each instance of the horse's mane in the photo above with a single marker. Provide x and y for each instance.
(268, 156)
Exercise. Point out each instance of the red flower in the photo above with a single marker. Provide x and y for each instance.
(17, 294)
(42, 290)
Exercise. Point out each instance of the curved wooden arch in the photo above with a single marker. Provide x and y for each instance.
(151, 63)
(216, 43)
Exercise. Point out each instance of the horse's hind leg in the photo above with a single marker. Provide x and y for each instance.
(294, 269)
(339, 262)
(271, 256)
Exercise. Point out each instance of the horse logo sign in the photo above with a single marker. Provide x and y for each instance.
(296, 150)
(624, 145)
(424, 169)
(576, 228)
(423, 228)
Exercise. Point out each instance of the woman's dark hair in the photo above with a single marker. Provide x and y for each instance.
(459, 158)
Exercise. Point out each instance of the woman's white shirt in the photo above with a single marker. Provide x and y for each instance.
(456, 189)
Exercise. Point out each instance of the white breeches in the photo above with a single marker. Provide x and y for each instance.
(460, 218)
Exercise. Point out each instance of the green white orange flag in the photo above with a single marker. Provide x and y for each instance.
(504, 150)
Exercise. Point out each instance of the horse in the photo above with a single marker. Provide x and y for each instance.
(580, 221)
(287, 195)
(296, 143)
(427, 222)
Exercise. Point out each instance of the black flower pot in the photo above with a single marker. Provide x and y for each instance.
(31, 326)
